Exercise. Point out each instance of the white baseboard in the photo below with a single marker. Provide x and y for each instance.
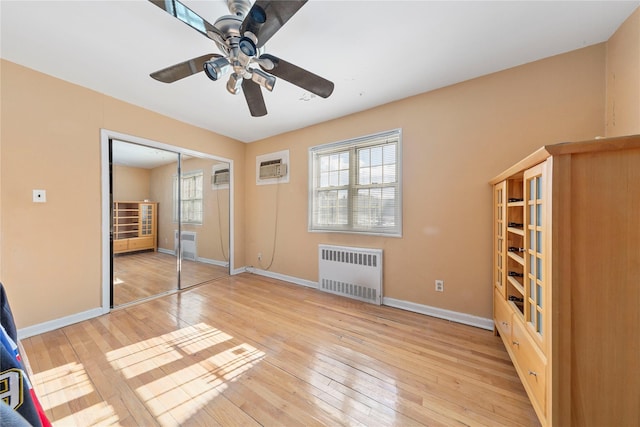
(283, 277)
(213, 262)
(41, 328)
(441, 313)
(200, 259)
(239, 271)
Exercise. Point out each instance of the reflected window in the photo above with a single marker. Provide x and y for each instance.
(191, 207)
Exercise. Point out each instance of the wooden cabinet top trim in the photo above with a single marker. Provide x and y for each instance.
(592, 145)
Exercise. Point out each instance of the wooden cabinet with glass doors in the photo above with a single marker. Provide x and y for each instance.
(566, 279)
(134, 226)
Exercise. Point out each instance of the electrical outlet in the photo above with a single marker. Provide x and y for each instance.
(439, 285)
(259, 256)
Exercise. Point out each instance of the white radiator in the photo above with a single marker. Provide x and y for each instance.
(188, 245)
(352, 272)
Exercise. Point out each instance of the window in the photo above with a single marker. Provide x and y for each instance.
(191, 194)
(354, 186)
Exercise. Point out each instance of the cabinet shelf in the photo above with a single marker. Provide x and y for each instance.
(134, 226)
(516, 285)
(515, 204)
(518, 231)
(516, 258)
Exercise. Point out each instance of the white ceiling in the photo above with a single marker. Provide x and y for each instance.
(374, 51)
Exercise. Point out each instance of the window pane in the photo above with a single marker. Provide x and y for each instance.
(344, 177)
(334, 178)
(364, 177)
(389, 174)
(324, 179)
(376, 156)
(389, 153)
(344, 160)
(334, 162)
(388, 206)
(324, 163)
(364, 157)
(376, 175)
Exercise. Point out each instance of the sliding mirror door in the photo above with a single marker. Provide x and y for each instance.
(170, 220)
(140, 267)
(204, 219)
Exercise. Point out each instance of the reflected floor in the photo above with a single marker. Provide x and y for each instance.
(141, 275)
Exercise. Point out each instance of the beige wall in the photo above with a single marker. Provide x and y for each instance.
(623, 79)
(129, 183)
(454, 141)
(50, 253)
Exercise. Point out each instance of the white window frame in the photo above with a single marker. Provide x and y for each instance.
(340, 194)
(197, 217)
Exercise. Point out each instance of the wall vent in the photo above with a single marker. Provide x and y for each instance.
(352, 272)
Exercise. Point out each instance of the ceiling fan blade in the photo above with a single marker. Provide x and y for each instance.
(189, 17)
(299, 76)
(255, 100)
(266, 17)
(183, 69)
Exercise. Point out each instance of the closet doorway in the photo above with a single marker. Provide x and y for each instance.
(169, 219)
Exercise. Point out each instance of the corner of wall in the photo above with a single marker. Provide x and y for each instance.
(622, 109)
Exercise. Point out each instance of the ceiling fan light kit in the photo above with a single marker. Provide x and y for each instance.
(241, 38)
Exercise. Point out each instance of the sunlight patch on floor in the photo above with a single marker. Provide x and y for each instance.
(183, 378)
(60, 385)
(144, 356)
(100, 414)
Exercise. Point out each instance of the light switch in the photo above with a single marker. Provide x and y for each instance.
(39, 196)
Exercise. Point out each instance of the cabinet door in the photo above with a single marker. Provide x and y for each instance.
(146, 219)
(535, 235)
(499, 232)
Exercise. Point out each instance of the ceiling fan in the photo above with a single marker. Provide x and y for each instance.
(241, 38)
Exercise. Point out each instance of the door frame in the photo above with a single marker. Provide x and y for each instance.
(105, 136)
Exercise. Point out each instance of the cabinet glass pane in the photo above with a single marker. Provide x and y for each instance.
(532, 287)
(539, 188)
(539, 323)
(539, 215)
(531, 239)
(539, 241)
(532, 313)
(539, 295)
(531, 215)
(532, 189)
(539, 268)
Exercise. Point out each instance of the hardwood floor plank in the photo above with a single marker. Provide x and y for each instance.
(248, 350)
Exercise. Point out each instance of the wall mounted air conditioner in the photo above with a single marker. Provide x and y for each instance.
(220, 177)
(272, 168)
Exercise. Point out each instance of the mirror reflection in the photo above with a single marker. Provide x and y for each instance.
(170, 227)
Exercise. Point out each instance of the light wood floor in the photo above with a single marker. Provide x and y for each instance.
(141, 275)
(247, 350)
